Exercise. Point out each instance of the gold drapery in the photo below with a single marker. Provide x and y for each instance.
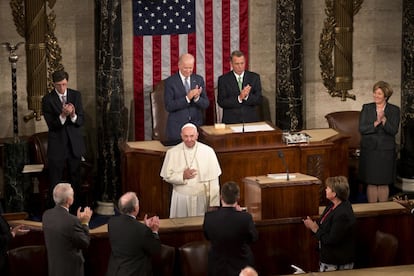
(43, 54)
(336, 37)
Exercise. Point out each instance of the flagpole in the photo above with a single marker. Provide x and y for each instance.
(13, 58)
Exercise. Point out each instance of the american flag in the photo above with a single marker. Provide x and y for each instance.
(164, 29)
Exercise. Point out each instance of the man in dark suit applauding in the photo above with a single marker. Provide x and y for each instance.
(230, 231)
(65, 235)
(132, 242)
(239, 92)
(185, 99)
(63, 113)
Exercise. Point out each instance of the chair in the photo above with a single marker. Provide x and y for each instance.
(159, 114)
(163, 263)
(38, 155)
(194, 258)
(385, 249)
(28, 260)
(347, 122)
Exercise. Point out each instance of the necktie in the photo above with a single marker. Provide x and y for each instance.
(240, 83)
(186, 84)
(63, 99)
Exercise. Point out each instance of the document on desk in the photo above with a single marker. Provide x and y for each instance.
(32, 168)
(280, 175)
(251, 128)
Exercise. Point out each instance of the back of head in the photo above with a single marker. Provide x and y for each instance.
(128, 203)
(230, 192)
(248, 271)
(61, 193)
(339, 185)
(60, 75)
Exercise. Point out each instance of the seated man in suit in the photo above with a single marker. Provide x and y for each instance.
(65, 235)
(7, 233)
(185, 99)
(239, 92)
(132, 242)
(230, 231)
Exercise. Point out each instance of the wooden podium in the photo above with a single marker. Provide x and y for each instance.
(271, 198)
(252, 153)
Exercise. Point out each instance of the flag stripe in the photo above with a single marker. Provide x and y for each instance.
(156, 58)
(226, 32)
(209, 58)
(175, 52)
(163, 30)
(138, 86)
(243, 20)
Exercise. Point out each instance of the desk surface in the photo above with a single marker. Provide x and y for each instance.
(180, 223)
(295, 178)
(152, 145)
(401, 270)
(238, 128)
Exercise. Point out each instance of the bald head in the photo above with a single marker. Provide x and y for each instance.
(128, 204)
(186, 64)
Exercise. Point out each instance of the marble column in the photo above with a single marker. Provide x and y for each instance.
(111, 113)
(289, 65)
(406, 162)
(17, 185)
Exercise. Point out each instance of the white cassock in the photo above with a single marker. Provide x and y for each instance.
(191, 197)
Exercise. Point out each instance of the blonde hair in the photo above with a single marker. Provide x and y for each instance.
(385, 87)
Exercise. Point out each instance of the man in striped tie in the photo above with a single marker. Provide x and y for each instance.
(239, 92)
(185, 99)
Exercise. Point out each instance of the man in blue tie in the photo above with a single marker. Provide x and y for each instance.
(185, 99)
(239, 92)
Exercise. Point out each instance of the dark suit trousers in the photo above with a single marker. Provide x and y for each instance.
(66, 170)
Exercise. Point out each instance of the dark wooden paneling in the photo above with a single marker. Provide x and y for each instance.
(281, 242)
(141, 167)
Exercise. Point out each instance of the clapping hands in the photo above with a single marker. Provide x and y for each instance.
(152, 222)
(194, 93)
(245, 92)
(404, 202)
(68, 109)
(85, 215)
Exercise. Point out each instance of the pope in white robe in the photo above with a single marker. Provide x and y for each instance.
(193, 170)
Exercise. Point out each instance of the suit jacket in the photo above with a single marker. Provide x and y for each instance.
(378, 143)
(5, 238)
(133, 244)
(65, 238)
(230, 232)
(179, 110)
(66, 137)
(337, 235)
(227, 98)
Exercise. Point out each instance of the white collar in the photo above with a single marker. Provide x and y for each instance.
(61, 95)
(237, 76)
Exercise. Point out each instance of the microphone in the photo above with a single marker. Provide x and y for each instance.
(242, 117)
(282, 156)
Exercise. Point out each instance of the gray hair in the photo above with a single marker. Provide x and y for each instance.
(127, 203)
(62, 192)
